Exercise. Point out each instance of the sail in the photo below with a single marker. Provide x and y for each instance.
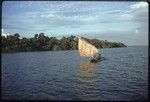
(86, 49)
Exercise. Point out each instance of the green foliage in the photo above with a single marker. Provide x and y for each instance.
(40, 42)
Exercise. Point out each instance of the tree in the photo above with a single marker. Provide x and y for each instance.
(16, 35)
(36, 36)
(40, 42)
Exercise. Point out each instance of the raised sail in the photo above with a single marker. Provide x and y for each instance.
(86, 49)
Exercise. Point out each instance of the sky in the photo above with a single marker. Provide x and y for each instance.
(125, 22)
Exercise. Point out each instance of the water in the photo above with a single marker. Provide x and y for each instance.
(64, 75)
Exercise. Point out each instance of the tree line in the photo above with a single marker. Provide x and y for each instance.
(40, 42)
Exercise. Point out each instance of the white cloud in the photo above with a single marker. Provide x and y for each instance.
(2, 31)
(47, 15)
(4, 34)
(137, 12)
(136, 31)
(112, 11)
(126, 17)
(139, 5)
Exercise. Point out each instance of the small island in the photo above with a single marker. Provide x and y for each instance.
(40, 42)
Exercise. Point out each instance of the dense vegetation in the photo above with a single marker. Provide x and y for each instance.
(40, 42)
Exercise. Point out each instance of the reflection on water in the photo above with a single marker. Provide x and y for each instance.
(86, 79)
(86, 72)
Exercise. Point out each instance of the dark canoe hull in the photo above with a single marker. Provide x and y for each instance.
(94, 60)
(97, 59)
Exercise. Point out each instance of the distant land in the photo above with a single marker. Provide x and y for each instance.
(40, 42)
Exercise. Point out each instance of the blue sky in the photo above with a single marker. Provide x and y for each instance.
(125, 22)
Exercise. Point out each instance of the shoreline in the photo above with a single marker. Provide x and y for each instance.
(54, 50)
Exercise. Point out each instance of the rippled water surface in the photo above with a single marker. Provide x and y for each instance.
(64, 75)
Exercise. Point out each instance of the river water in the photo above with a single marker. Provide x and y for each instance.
(64, 75)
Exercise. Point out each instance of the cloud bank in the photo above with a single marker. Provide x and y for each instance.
(117, 21)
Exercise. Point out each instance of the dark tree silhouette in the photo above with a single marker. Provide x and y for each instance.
(40, 42)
